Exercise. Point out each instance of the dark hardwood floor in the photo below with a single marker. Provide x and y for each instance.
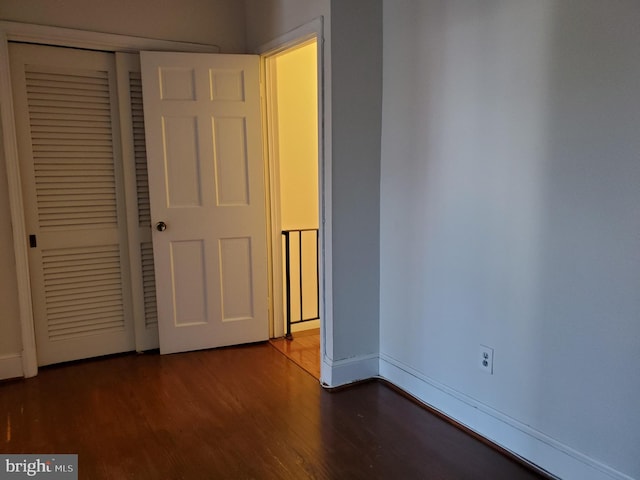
(237, 413)
(303, 350)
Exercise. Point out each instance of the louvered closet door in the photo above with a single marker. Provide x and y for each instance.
(69, 143)
(134, 156)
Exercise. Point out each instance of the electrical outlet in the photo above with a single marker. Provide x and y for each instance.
(485, 358)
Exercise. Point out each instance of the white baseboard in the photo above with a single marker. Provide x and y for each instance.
(342, 372)
(519, 439)
(10, 366)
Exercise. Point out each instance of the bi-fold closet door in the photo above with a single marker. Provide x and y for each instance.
(89, 206)
(92, 282)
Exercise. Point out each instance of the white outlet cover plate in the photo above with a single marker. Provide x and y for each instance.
(485, 353)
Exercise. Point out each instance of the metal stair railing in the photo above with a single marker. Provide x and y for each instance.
(288, 236)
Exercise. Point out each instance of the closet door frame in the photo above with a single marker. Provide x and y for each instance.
(38, 34)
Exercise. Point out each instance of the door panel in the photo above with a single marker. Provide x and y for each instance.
(188, 283)
(69, 146)
(181, 161)
(235, 272)
(206, 179)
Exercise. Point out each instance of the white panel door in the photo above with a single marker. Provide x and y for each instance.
(206, 184)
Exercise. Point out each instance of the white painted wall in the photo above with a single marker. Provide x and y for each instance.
(509, 217)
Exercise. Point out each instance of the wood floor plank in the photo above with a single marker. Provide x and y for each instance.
(232, 413)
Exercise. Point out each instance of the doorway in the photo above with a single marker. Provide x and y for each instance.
(291, 108)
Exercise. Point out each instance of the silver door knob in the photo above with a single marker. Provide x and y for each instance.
(161, 226)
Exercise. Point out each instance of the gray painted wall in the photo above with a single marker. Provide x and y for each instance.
(356, 83)
(509, 210)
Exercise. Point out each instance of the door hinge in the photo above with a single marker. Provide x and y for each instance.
(32, 241)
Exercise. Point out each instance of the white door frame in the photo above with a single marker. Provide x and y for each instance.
(292, 39)
(12, 31)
